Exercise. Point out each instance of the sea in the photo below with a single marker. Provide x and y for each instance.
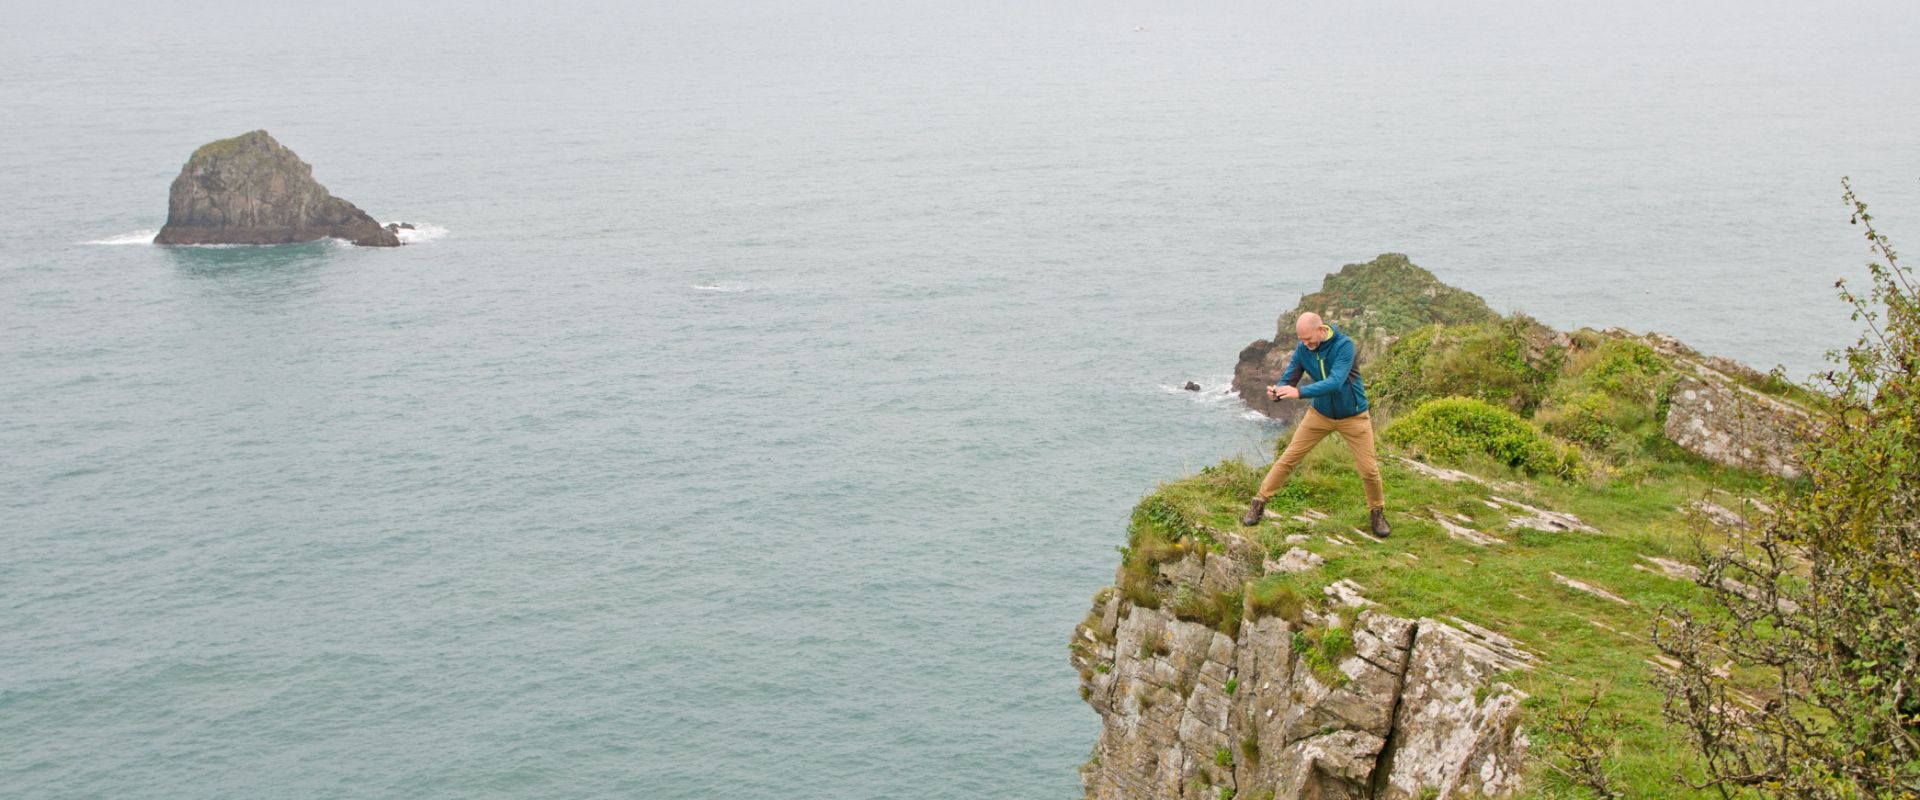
(766, 386)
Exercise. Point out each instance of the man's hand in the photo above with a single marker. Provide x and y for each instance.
(1282, 392)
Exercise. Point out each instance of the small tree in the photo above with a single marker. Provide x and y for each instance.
(1817, 603)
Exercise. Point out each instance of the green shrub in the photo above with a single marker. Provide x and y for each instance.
(1140, 567)
(1396, 378)
(1586, 418)
(1625, 367)
(1336, 644)
(1838, 640)
(1506, 363)
(1613, 401)
(1463, 427)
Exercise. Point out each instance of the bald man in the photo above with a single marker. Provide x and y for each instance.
(1339, 400)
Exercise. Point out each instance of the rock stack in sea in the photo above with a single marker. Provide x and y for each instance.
(251, 189)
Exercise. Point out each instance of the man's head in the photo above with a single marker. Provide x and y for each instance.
(1311, 330)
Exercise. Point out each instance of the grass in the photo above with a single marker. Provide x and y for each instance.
(1220, 610)
(1323, 648)
(1421, 571)
(225, 148)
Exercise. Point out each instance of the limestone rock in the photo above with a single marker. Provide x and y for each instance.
(1716, 412)
(1720, 420)
(252, 190)
(1295, 560)
(1413, 709)
(1457, 727)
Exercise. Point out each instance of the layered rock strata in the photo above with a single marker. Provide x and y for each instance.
(1415, 708)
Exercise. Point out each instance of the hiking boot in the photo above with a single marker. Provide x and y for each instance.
(1379, 523)
(1254, 513)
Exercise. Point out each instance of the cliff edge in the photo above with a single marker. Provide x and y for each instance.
(1548, 492)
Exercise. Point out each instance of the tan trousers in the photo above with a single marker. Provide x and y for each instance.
(1356, 431)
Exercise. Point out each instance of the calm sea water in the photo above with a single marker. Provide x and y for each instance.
(771, 385)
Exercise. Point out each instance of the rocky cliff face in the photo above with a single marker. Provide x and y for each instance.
(1408, 708)
(1715, 412)
(252, 190)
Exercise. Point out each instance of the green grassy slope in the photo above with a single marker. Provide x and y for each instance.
(1584, 640)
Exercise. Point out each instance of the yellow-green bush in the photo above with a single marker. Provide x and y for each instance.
(1626, 368)
(1466, 427)
(1585, 418)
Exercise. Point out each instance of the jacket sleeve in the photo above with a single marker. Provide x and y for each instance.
(1337, 370)
(1292, 372)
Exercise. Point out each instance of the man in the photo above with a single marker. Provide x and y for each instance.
(1339, 406)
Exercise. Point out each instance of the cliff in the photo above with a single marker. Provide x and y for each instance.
(251, 189)
(1343, 702)
(1547, 490)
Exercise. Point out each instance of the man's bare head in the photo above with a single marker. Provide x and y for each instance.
(1311, 330)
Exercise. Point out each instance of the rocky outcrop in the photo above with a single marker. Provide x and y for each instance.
(1715, 408)
(1408, 708)
(1716, 411)
(1375, 303)
(252, 190)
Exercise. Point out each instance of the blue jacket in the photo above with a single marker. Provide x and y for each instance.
(1336, 390)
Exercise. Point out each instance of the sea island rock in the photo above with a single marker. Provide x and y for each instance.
(251, 189)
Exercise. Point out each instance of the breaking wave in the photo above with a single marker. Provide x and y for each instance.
(422, 233)
(136, 237)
